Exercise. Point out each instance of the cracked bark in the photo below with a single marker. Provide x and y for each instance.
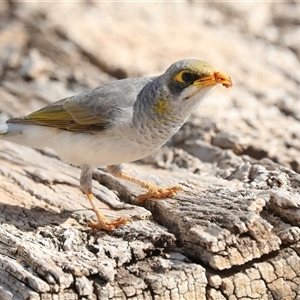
(232, 233)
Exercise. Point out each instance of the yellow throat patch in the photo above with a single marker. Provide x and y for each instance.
(161, 106)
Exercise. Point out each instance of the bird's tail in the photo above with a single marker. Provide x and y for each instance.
(26, 135)
(3, 129)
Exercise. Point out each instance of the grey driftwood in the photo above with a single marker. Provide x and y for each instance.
(231, 233)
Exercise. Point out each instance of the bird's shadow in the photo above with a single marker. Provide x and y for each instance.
(27, 219)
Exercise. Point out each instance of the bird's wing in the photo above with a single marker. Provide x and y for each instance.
(91, 111)
(65, 114)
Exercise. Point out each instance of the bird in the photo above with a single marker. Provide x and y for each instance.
(118, 122)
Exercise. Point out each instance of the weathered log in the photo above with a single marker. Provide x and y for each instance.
(233, 230)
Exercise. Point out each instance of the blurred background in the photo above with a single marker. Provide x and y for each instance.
(50, 50)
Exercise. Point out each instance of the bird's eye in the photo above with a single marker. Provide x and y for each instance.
(187, 77)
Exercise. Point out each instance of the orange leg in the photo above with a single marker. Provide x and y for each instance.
(103, 222)
(154, 191)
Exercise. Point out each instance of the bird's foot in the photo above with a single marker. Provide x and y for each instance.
(105, 224)
(154, 191)
(158, 192)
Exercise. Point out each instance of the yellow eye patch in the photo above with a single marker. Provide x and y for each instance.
(186, 76)
(178, 77)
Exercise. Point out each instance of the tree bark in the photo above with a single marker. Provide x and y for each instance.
(232, 232)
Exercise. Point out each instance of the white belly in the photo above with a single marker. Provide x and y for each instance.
(100, 149)
(94, 149)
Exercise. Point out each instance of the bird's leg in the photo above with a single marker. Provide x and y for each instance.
(154, 191)
(103, 222)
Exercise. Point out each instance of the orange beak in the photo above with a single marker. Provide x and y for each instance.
(223, 79)
(215, 78)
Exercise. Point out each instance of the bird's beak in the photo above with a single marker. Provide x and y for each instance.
(213, 79)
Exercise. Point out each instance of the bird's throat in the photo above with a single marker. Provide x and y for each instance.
(161, 106)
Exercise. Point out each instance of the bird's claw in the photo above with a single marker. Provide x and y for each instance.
(159, 192)
(104, 224)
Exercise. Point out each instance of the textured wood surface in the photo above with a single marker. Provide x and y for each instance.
(231, 233)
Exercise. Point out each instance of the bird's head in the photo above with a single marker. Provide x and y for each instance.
(184, 84)
(187, 78)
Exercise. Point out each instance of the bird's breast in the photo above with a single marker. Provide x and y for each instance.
(113, 146)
